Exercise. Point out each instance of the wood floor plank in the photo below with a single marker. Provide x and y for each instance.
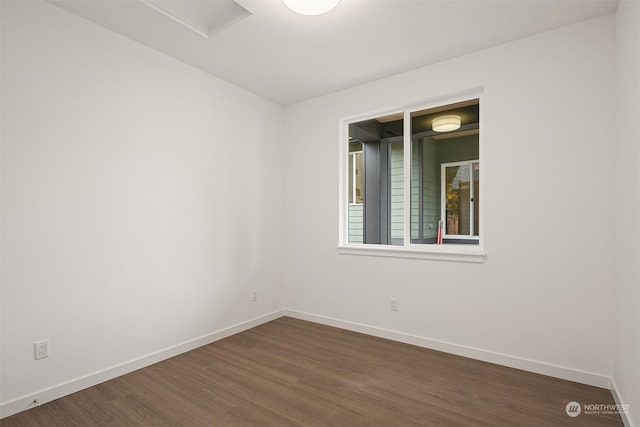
(295, 373)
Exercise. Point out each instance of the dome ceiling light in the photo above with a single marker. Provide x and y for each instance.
(446, 123)
(311, 7)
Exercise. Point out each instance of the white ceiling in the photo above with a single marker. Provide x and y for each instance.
(267, 49)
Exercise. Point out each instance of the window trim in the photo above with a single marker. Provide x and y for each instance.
(353, 153)
(446, 252)
(443, 206)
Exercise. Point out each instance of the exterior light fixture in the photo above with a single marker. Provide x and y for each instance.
(446, 123)
(311, 7)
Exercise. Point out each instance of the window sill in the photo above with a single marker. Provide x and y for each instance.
(457, 253)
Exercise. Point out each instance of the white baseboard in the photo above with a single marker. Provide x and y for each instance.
(58, 391)
(617, 397)
(43, 396)
(529, 365)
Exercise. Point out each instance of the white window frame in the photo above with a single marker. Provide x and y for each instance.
(353, 189)
(445, 252)
(443, 204)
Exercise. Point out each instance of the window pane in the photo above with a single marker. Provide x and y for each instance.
(432, 148)
(458, 200)
(376, 188)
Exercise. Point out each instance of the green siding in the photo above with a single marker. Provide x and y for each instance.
(458, 149)
(356, 223)
(415, 190)
(430, 188)
(396, 190)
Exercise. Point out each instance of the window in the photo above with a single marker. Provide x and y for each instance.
(375, 159)
(356, 193)
(412, 180)
(355, 176)
(460, 186)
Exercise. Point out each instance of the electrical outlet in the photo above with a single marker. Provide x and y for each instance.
(254, 295)
(394, 305)
(41, 349)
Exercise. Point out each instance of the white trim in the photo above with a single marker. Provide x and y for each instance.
(460, 237)
(343, 183)
(354, 176)
(481, 150)
(47, 395)
(556, 371)
(617, 397)
(406, 185)
(443, 201)
(448, 252)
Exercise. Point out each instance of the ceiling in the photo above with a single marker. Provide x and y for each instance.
(263, 47)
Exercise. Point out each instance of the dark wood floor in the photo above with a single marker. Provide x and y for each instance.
(290, 373)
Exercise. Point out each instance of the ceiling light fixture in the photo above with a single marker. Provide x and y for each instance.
(311, 7)
(446, 123)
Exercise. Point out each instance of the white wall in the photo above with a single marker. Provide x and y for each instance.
(544, 292)
(626, 366)
(142, 200)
